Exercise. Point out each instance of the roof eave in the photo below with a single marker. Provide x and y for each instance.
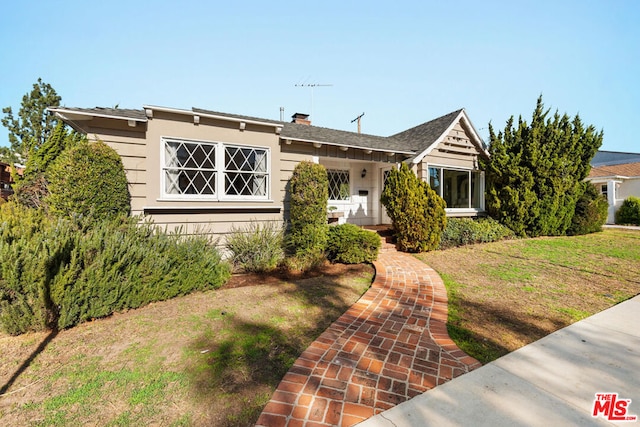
(66, 113)
(211, 116)
(357, 147)
(608, 177)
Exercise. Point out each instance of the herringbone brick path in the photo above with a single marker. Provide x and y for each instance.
(389, 347)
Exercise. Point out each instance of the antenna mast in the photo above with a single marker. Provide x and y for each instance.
(358, 119)
(312, 85)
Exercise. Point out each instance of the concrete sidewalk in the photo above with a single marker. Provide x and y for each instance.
(551, 382)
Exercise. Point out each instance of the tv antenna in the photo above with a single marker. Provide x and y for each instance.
(358, 119)
(312, 85)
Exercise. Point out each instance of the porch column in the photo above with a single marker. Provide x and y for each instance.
(611, 198)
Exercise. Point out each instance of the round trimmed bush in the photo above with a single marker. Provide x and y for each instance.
(591, 212)
(629, 212)
(350, 244)
(88, 180)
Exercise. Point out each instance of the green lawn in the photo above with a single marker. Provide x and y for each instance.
(507, 294)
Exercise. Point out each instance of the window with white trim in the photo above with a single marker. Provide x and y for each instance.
(245, 171)
(214, 170)
(604, 190)
(338, 184)
(460, 188)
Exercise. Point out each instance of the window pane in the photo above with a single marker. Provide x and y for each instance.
(338, 185)
(189, 168)
(456, 188)
(245, 171)
(476, 188)
(434, 180)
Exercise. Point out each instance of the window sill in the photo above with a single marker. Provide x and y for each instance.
(210, 200)
(169, 210)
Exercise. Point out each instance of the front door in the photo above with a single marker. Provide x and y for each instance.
(384, 174)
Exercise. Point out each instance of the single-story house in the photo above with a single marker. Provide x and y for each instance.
(617, 176)
(206, 171)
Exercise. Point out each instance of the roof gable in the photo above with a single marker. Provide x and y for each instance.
(425, 137)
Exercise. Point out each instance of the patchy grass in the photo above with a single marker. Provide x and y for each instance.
(210, 358)
(508, 294)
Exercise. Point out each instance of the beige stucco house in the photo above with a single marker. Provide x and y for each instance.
(617, 176)
(206, 171)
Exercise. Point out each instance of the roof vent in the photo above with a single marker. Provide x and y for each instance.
(301, 118)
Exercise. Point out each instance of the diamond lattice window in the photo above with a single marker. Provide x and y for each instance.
(245, 171)
(338, 184)
(189, 168)
(214, 170)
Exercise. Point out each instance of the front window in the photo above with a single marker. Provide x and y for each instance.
(214, 170)
(604, 190)
(338, 184)
(245, 171)
(189, 168)
(461, 189)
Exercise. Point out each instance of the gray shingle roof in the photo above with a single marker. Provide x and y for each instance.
(614, 158)
(411, 141)
(304, 132)
(421, 137)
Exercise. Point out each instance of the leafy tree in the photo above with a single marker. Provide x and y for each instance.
(535, 171)
(59, 139)
(33, 125)
(32, 190)
(416, 211)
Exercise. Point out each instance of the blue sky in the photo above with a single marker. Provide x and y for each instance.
(401, 63)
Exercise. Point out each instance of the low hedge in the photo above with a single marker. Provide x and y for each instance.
(467, 231)
(58, 272)
(350, 244)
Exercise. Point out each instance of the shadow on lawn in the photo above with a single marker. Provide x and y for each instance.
(242, 363)
(23, 367)
(486, 348)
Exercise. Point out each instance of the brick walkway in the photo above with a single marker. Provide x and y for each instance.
(389, 347)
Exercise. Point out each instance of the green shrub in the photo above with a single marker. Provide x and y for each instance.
(88, 179)
(350, 244)
(416, 211)
(60, 272)
(255, 247)
(629, 212)
(306, 238)
(306, 248)
(591, 212)
(467, 231)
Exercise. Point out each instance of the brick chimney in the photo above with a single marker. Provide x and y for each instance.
(301, 118)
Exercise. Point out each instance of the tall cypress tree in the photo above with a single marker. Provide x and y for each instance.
(535, 170)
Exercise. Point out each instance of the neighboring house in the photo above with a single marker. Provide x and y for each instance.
(206, 171)
(6, 180)
(617, 176)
